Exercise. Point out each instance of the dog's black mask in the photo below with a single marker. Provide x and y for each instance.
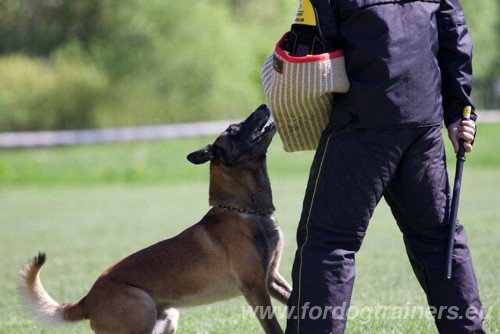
(240, 142)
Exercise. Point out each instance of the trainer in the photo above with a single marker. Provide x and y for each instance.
(409, 65)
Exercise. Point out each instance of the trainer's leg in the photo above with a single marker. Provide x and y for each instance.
(419, 197)
(349, 174)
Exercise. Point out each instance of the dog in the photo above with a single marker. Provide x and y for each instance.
(235, 249)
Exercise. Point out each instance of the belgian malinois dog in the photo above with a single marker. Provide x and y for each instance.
(235, 249)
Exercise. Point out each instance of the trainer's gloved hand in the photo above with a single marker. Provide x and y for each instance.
(306, 34)
(465, 130)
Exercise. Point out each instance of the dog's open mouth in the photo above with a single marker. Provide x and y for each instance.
(265, 127)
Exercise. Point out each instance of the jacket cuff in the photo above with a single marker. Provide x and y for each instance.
(454, 112)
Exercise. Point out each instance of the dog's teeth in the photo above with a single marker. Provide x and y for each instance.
(269, 122)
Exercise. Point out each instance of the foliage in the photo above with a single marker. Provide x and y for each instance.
(47, 94)
(182, 61)
(176, 61)
(38, 27)
(166, 61)
(169, 75)
(484, 26)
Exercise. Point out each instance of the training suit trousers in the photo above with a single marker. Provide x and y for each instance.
(352, 170)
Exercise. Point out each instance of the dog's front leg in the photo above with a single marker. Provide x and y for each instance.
(258, 298)
(279, 287)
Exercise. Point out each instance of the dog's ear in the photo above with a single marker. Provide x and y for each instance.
(202, 155)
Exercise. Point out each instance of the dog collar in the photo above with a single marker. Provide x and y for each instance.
(241, 210)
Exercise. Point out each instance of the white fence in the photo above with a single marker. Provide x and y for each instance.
(144, 133)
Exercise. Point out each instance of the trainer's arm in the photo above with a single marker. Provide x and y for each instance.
(455, 60)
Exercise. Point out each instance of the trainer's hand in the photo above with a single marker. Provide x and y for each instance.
(465, 130)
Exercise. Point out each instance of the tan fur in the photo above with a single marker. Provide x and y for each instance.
(235, 249)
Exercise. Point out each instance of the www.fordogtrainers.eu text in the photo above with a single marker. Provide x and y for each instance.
(365, 313)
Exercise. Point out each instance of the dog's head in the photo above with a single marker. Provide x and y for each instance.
(240, 143)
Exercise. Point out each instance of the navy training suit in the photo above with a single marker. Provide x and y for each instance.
(409, 64)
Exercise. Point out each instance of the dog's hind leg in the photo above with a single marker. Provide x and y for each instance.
(116, 308)
(167, 321)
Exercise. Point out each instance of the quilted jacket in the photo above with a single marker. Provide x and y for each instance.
(409, 62)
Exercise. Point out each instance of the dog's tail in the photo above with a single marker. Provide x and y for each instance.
(37, 301)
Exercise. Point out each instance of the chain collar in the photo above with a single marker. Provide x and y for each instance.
(241, 210)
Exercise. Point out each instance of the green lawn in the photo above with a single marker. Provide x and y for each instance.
(88, 206)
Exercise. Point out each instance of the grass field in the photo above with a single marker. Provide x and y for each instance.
(88, 206)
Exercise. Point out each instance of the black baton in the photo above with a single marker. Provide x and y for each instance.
(456, 197)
